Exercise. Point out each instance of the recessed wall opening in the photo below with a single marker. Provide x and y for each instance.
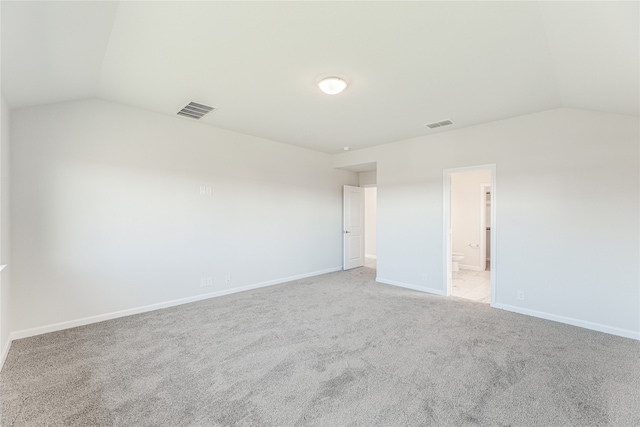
(469, 214)
(359, 219)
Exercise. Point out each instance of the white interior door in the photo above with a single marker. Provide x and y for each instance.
(353, 227)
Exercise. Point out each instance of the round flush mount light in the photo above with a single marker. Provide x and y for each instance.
(332, 85)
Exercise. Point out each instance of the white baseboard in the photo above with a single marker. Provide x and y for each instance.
(25, 333)
(5, 352)
(470, 267)
(408, 286)
(626, 333)
(370, 256)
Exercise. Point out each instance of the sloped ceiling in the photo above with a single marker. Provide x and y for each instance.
(408, 63)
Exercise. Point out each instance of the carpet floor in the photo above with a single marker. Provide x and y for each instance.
(332, 350)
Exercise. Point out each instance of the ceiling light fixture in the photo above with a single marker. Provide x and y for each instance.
(332, 85)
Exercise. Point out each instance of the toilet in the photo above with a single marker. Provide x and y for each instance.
(456, 257)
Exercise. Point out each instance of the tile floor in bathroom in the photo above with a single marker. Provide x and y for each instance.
(473, 285)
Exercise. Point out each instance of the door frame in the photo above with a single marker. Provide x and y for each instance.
(447, 245)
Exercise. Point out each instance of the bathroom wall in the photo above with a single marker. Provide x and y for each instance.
(466, 226)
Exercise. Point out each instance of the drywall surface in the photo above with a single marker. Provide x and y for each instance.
(370, 194)
(466, 203)
(117, 208)
(367, 178)
(567, 206)
(5, 231)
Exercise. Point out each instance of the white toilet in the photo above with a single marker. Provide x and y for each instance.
(456, 257)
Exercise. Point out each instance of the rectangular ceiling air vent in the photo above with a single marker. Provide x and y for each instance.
(195, 110)
(439, 124)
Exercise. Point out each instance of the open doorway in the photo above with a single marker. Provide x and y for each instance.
(359, 218)
(469, 212)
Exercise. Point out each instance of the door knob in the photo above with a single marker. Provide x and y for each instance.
(346, 231)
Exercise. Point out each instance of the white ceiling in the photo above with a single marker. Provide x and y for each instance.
(408, 63)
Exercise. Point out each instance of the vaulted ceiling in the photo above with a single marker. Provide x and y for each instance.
(407, 63)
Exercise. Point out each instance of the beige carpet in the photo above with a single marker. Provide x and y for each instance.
(333, 350)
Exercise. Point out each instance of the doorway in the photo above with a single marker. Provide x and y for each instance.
(469, 233)
(359, 218)
(359, 223)
(353, 227)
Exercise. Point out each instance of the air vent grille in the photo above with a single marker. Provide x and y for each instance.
(439, 124)
(195, 110)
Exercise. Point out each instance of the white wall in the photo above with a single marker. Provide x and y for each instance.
(367, 178)
(567, 205)
(466, 203)
(370, 197)
(5, 231)
(107, 213)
